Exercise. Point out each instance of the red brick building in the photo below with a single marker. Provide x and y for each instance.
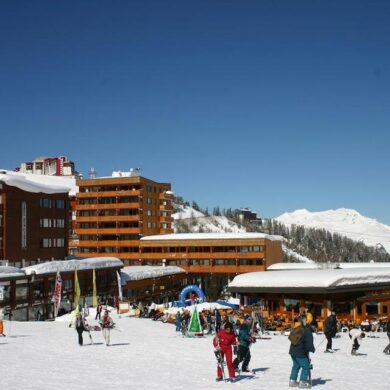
(34, 219)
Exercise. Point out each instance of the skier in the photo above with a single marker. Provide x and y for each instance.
(79, 326)
(107, 324)
(244, 340)
(301, 345)
(98, 311)
(330, 330)
(1, 323)
(387, 349)
(223, 342)
(355, 335)
(178, 321)
(217, 316)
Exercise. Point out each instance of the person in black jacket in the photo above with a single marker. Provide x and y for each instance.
(299, 352)
(387, 349)
(330, 330)
(79, 325)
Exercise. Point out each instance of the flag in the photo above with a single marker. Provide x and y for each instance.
(195, 326)
(76, 290)
(120, 296)
(57, 294)
(94, 294)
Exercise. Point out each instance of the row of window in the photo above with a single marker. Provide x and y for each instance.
(110, 200)
(109, 188)
(109, 237)
(108, 213)
(52, 243)
(154, 225)
(52, 223)
(52, 203)
(108, 225)
(205, 249)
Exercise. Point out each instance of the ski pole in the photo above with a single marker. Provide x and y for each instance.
(320, 342)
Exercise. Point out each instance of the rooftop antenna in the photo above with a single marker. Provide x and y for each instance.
(92, 173)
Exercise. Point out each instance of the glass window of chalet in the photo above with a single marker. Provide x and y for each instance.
(60, 204)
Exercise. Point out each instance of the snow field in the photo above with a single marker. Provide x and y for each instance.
(148, 355)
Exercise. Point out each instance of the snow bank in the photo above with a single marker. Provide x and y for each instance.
(140, 272)
(39, 183)
(327, 278)
(71, 265)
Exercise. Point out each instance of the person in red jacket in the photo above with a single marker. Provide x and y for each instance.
(223, 341)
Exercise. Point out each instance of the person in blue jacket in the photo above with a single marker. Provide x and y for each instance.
(299, 352)
(244, 341)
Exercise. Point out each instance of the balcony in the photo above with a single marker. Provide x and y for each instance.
(164, 195)
(166, 231)
(110, 243)
(110, 218)
(166, 207)
(99, 231)
(108, 194)
(110, 206)
(166, 219)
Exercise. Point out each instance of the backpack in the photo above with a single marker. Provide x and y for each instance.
(296, 335)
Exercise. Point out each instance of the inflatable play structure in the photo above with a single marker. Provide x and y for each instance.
(194, 292)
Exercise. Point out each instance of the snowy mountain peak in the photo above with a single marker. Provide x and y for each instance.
(346, 222)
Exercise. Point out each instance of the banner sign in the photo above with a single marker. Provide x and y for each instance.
(57, 294)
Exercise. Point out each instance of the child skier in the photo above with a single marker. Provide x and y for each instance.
(355, 335)
(223, 342)
(107, 324)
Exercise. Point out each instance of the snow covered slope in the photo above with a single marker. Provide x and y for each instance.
(148, 355)
(196, 222)
(345, 222)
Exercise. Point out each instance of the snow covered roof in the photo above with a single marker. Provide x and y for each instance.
(292, 266)
(39, 183)
(141, 272)
(71, 265)
(324, 280)
(212, 236)
(7, 272)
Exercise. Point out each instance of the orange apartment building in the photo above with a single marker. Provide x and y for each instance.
(113, 213)
(212, 259)
(130, 218)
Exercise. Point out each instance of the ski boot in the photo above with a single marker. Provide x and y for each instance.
(304, 385)
(293, 383)
(219, 379)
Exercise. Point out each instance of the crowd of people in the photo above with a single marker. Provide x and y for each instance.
(234, 333)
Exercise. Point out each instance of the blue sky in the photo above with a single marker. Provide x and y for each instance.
(273, 105)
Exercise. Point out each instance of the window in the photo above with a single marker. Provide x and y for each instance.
(149, 213)
(149, 200)
(149, 225)
(60, 204)
(45, 202)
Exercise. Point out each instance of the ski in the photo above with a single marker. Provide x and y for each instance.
(220, 362)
